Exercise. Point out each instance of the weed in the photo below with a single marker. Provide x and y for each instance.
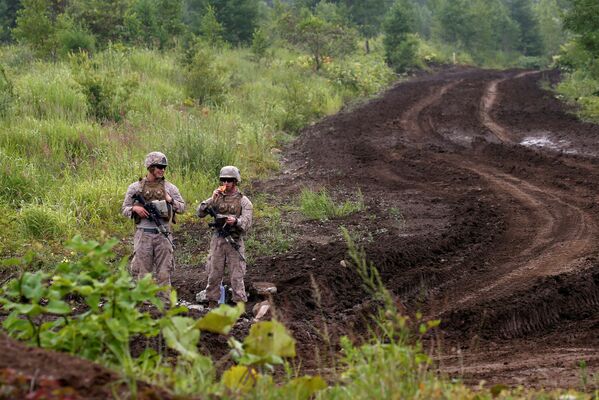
(319, 205)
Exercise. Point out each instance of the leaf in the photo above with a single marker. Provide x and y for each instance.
(222, 319)
(239, 378)
(182, 335)
(119, 332)
(58, 307)
(31, 286)
(269, 338)
(306, 386)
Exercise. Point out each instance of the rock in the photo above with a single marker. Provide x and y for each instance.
(261, 310)
(264, 288)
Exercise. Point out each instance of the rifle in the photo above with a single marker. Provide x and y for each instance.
(223, 229)
(154, 216)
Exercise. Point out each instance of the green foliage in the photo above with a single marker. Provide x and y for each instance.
(582, 18)
(45, 223)
(211, 30)
(549, 16)
(18, 181)
(321, 38)
(260, 44)
(400, 46)
(73, 38)
(35, 27)
(8, 16)
(319, 205)
(239, 19)
(105, 19)
(363, 76)
(205, 80)
(7, 95)
(107, 93)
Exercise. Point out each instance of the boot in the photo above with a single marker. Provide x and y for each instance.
(212, 304)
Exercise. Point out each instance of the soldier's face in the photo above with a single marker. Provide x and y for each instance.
(157, 170)
(228, 183)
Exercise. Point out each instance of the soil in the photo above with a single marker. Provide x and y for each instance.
(481, 210)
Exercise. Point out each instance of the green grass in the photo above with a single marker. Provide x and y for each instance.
(62, 158)
(319, 205)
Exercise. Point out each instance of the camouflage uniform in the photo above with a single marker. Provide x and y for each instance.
(152, 251)
(221, 252)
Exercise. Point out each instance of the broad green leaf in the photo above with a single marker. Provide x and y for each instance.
(57, 307)
(33, 310)
(306, 386)
(31, 286)
(222, 319)
(269, 338)
(182, 335)
(119, 332)
(239, 378)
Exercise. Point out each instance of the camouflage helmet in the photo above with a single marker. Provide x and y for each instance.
(155, 158)
(230, 172)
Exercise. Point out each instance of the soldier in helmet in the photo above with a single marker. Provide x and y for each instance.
(227, 247)
(152, 250)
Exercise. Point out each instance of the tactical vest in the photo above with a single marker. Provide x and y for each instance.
(154, 190)
(229, 204)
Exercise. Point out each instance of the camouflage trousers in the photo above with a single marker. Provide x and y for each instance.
(223, 254)
(152, 254)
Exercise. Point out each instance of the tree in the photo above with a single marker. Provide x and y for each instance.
(8, 18)
(239, 19)
(400, 46)
(106, 19)
(211, 29)
(322, 38)
(35, 27)
(530, 42)
(548, 14)
(583, 19)
(368, 15)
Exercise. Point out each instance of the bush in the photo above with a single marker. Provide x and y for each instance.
(75, 40)
(206, 81)
(107, 92)
(403, 57)
(44, 223)
(363, 77)
(18, 181)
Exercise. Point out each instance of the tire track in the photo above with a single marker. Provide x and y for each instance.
(553, 233)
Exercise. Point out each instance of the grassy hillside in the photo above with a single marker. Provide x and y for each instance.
(74, 133)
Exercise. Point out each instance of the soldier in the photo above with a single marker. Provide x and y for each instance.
(152, 250)
(234, 212)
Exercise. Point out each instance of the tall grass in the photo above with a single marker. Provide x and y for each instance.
(67, 153)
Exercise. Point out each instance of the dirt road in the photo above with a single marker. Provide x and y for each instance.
(481, 195)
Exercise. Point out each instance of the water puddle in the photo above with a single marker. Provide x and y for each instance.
(545, 142)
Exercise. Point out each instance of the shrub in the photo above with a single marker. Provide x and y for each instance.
(107, 91)
(44, 223)
(75, 40)
(403, 57)
(18, 181)
(206, 81)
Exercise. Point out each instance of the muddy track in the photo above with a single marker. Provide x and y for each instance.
(481, 209)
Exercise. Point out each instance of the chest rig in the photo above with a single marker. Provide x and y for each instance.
(155, 191)
(229, 204)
